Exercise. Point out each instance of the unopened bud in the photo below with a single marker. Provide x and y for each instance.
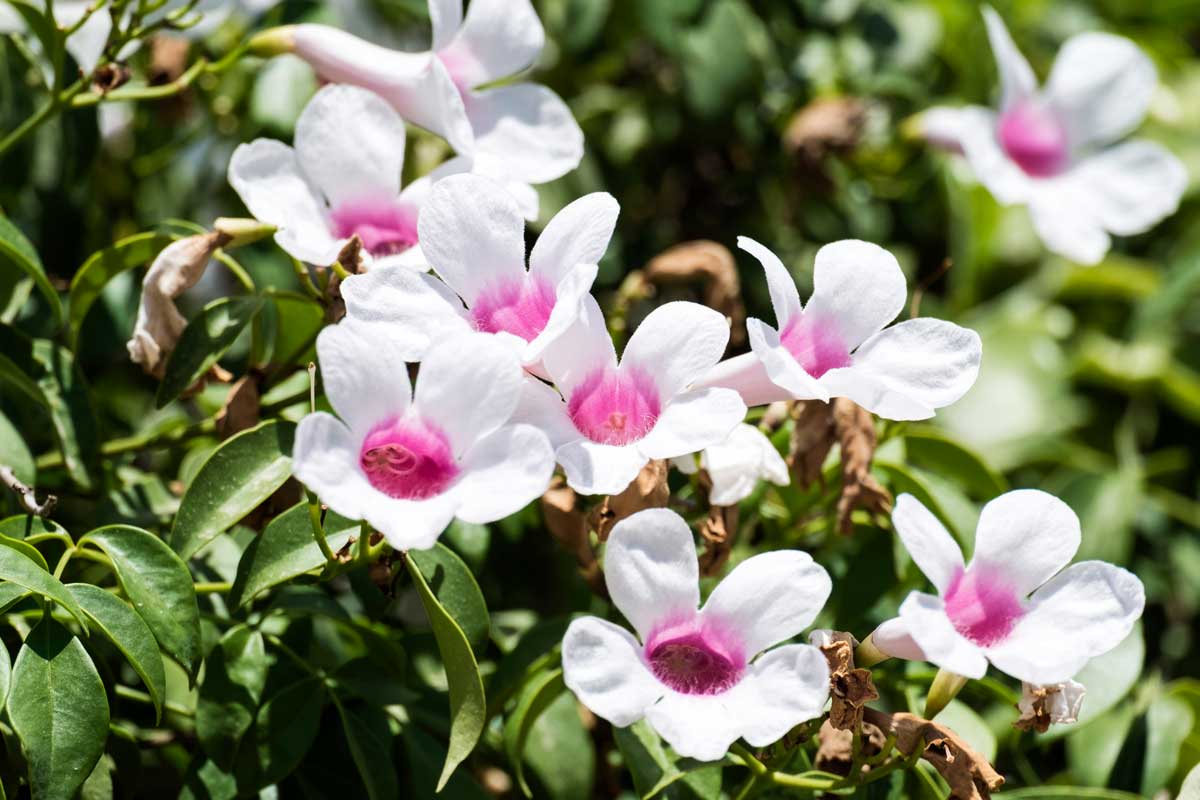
(241, 231)
(273, 41)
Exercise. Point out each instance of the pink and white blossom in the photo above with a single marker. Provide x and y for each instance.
(606, 419)
(473, 235)
(409, 460)
(1058, 150)
(695, 674)
(736, 465)
(838, 345)
(1016, 604)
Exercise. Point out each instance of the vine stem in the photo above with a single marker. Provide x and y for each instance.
(218, 587)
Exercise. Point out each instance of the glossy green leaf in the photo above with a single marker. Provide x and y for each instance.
(961, 719)
(10, 595)
(286, 727)
(455, 588)
(25, 549)
(34, 529)
(298, 320)
(239, 475)
(560, 752)
(15, 249)
(1169, 720)
(102, 267)
(58, 709)
(113, 617)
(932, 450)
(370, 740)
(285, 550)
(536, 648)
(468, 706)
(1108, 678)
(425, 757)
(159, 586)
(1092, 752)
(206, 338)
(5, 673)
(542, 690)
(12, 376)
(235, 673)
(99, 784)
(22, 570)
(16, 453)
(654, 767)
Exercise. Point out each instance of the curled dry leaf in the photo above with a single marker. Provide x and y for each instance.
(855, 428)
(812, 439)
(240, 411)
(969, 774)
(850, 688)
(177, 268)
(110, 76)
(648, 490)
(168, 58)
(826, 126)
(718, 531)
(836, 753)
(350, 258)
(568, 524)
(713, 265)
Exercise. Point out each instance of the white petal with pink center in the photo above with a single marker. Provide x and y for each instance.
(736, 465)
(473, 235)
(1055, 149)
(695, 672)
(839, 346)
(409, 461)
(607, 419)
(1016, 604)
(341, 179)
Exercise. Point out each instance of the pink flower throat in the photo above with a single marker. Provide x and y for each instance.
(385, 226)
(695, 659)
(408, 459)
(982, 605)
(1034, 138)
(521, 307)
(615, 406)
(815, 343)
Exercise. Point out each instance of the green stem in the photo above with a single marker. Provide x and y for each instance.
(945, 686)
(35, 120)
(61, 566)
(142, 697)
(314, 516)
(220, 587)
(144, 92)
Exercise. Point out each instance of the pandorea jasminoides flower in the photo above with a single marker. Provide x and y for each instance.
(473, 236)
(409, 461)
(1014, 604)
(736, 465)
(606, 420)
(341, 179)
(838, 346)
(695, 674)
(519, 130)
(1054, 149)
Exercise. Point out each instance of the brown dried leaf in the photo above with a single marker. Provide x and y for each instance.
(110, 76)
(855, 428)
(240, 411)
(969, 774)
(850, 689)
(168, 58)
(711, 263)
(648, 490)
(718, 532)
(568, 524)
(836, 752)
(350, 258)
(825, 126)
(812, 439)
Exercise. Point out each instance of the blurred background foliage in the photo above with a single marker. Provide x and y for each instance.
(784, 120)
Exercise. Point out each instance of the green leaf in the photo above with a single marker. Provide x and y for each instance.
(961, 719)
(654, 768)
(1168, 722)
(15, 378)
(10, 594)
(424, 758)
(33, 529)
(285, 550)
(1066, 793)
(561, 753)
(17, 250)
(5, 673)
(235, 673)
(370, 740)
(286, 727)
(206, 338)
(1108, 679)
(16, 452)
(22, 570)
(27, 550)
(468, 707)
(455, 588)
(129, 632)
(536, 648)
(298, 320)
(59, 711)
(158, 584)
(102, 267)
(542, 690)
(239, 475)
(1092, 752)
(932, 450)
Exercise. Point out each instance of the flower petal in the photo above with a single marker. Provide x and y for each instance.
(365, 379)
(412, 524)
(942, 126)
(696, 726)
(785, 298)
(411, 309)
(737, 464)
(446, 17)
(1084, 611)
(928, 542)
(892, 638)
(1007, 182)
(676, 344)
(1029, 535)
(1131, 186)
(583, 348)
(1062, 216)
(594, 468)
(469, 385)
(651, 569)
(351, 144)
(693, 421)
(602, 665)
(578, 234)
(473, 234)
(925, 618)
(498, 38)
(1102, 86)
(528, 129)
(781, 689)
(543, 407)
(747, 374)
(325, 459)
(781, 366)
(769, 598)
(504, 472)
(857, 286)
(568, 305)
(1017, 80)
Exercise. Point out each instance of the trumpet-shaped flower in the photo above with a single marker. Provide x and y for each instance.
(473, 236)
(519, 130)
(695, 673)
(408, 461)
(1016, 604)
(838, 346)
(607, 420)
(736, 465)
(342, 179)
(1056, 149)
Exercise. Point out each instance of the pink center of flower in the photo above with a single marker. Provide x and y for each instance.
(982, 605)
(408, 459)
(694, 659)
(460, 64)
(1035, 139)
(615, 406)
(385, 226)
(816, 344)
(519, 307)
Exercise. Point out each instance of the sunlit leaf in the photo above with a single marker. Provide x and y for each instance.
(206, 338)
(15, 249)
(455, 588)
(20, 569)
(541, 691)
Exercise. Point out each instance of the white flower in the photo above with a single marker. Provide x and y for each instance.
(736, 465)
(1014, 604)
(1058, 703)
(409, 461)
(1054, 149)
(472, 234)
(693, 673)
(341, 179)
(518, 130)
(838, 345)
(85, 45)
(606, 421)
